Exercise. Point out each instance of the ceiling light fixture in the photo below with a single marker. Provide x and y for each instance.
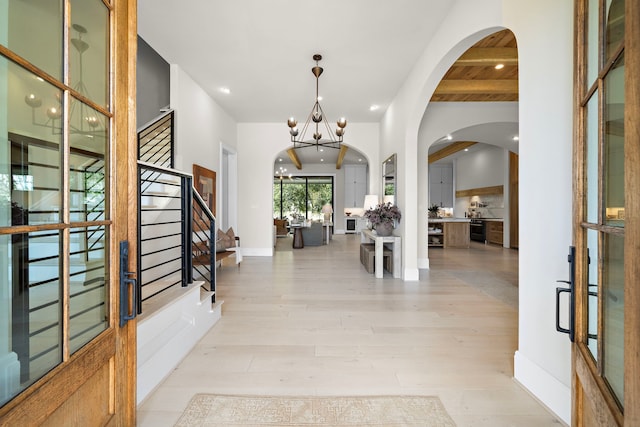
(499, 66)
(374, 107)
(318, 118)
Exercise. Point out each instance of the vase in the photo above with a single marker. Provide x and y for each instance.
(384, 229)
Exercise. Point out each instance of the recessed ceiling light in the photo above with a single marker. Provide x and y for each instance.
(280, 159)
(516, 138)
(374, 107)
(319, 98)
(466, 149)
(322, 150)
(449, 137)
(225, 90)
(359, 160)
(499, 66)
(322, 160)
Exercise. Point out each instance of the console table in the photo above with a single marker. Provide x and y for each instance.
(395, 244)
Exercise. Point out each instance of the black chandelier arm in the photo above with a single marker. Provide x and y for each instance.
(317, 144)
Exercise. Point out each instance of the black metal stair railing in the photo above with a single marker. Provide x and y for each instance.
(203, 241)
(176, 234)
(156, 141)
(176, 240)
(164, 242)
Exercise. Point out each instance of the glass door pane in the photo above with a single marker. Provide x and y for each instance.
(613, 313)
(593, 291)
(614, 145)
(42, 21)
(592, 159)
(615, 27)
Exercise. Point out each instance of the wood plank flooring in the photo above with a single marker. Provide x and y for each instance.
(312, 321)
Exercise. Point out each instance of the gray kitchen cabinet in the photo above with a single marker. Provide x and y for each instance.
(441, 185)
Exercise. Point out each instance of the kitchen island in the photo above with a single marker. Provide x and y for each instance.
(449, 232)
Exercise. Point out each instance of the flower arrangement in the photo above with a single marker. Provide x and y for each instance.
(383, 213)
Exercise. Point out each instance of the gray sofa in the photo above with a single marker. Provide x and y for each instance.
(313, 235)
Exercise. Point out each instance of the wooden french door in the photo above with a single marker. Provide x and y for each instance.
(606, 352)
(67, 200)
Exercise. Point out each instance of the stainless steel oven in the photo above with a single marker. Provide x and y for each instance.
(477, 230)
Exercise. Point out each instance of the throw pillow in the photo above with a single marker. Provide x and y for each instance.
(231, 238)
(222, 240)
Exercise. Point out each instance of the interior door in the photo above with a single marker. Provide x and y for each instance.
(606, 359)
(67, 130)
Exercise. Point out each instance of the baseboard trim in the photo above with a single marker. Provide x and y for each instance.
(423, 263)
(257, 251)
(411, 275)
(543, 386)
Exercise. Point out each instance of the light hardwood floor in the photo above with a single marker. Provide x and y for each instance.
(312, 321)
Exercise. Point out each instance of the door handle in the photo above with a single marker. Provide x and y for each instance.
(572, 298)
(128, 287)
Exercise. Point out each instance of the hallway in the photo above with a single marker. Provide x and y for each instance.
(314, 322)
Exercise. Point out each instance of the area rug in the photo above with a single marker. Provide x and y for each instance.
(389, 411)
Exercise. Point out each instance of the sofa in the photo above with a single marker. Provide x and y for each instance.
(313, 235)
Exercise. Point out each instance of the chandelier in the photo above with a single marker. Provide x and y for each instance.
(319, 121)
(87, 122)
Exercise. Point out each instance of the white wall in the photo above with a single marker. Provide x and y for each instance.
(482, 168)
(486, 167)
(201, 127)
(258, 145)
(544, 31)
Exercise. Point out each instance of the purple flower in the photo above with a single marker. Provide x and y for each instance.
(384, 212)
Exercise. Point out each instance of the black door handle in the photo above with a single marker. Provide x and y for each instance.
(128, 287)
(572, 298)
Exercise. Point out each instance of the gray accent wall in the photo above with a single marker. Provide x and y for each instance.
(153, 83)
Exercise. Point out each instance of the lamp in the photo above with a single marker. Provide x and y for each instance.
(327, 210)
(89, 123)
(317, 116)
(370, 201)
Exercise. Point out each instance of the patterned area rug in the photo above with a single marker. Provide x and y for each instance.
(389, 411)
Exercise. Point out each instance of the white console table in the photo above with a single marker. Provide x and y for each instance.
(395, 246)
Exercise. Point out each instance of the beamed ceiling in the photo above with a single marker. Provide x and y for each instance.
(474, 78)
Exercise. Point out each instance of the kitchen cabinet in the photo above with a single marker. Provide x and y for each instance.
(436, 235)
(355, 185)
(495, 230)
(448, 233)
(441, 185)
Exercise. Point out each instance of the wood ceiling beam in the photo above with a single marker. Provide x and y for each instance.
(461, 87)
(294, 158)
(449, 150)
(343, 152)
(488, 57)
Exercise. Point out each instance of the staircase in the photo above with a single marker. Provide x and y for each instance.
(176, 297)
